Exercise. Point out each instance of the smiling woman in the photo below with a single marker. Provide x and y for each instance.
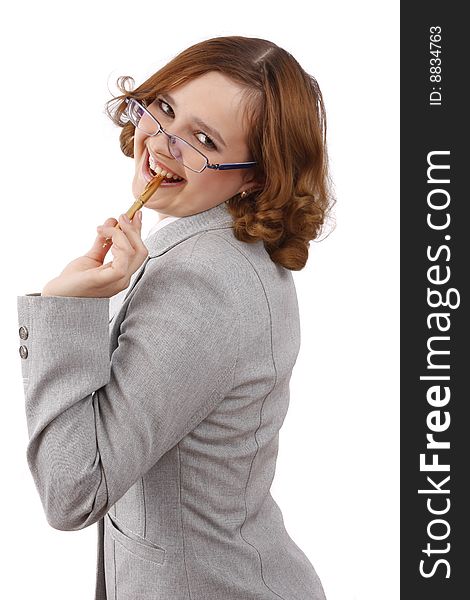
(237, 99)
(162, 423)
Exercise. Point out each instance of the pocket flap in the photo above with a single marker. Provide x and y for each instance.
(134, 543)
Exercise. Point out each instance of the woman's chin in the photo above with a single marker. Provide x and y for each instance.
(138, 186)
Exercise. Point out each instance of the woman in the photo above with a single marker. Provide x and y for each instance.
(161, 424)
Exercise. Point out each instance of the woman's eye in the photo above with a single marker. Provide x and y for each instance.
(168, 111)
(162, 104)
(208, 143)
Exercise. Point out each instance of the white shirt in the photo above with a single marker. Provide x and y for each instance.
(116, 300)
(159, 224)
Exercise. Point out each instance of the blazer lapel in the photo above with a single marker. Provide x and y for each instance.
(176, 232)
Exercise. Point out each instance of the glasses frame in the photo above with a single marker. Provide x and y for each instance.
(208, 165)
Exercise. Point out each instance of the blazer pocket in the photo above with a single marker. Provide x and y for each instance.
(134, 543)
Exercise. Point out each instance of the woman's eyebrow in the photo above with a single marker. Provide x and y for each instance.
(198, 121)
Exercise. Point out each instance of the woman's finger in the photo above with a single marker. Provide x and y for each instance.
(121, 264)
(118, 237)
(113, 276)
(99, 248)
(133, 231)
(128, 253)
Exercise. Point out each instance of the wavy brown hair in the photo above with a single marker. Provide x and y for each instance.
(285, 115)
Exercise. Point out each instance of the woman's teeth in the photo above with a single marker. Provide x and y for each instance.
(156, 170)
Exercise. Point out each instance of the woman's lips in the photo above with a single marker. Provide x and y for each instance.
(148, 176)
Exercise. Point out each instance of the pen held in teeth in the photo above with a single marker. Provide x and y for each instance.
(149, 190)
(156, 169)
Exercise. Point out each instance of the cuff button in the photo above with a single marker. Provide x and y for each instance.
(23, 352)
(23, 333)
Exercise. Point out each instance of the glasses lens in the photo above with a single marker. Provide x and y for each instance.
(141, 119)
(186, 154)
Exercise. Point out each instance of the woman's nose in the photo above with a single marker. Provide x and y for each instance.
(158, 145)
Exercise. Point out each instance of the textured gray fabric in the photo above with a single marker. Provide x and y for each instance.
(115, 301)
(161, 424)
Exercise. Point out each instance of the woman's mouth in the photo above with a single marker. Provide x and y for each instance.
(150, 169)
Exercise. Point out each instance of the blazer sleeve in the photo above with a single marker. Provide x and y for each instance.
(97, 423)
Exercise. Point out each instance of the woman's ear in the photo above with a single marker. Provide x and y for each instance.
(250, 184)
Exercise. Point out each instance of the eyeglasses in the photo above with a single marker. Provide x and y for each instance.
(180, 149)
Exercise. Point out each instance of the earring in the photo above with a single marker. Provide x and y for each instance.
(245, 193)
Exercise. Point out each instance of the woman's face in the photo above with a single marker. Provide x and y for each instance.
(216, 100)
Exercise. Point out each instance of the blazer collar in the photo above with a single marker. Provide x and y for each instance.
(177, 231)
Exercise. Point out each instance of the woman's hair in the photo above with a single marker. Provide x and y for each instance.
(285, 117)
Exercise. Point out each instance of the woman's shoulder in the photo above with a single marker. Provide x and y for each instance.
(223, 261)
(216, 250)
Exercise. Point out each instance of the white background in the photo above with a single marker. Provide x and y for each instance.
(63, 174)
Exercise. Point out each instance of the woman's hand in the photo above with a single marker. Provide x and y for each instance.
(88, 277)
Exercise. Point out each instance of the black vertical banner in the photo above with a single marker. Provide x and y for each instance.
(435, 271)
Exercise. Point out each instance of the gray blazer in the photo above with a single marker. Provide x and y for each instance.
(161, 425)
